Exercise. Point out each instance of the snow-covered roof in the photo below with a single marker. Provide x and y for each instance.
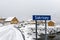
(1, 17)
(9, 18)
(29, 19)
(52, 21)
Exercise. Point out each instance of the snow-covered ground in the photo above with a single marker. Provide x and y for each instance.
(30, 33)
(29, 30)
(11, 32)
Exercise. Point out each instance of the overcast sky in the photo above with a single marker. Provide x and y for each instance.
(24, 9)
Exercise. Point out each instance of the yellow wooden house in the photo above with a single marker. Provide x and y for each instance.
(51, 23)
(11, 20)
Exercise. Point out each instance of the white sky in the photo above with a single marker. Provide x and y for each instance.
(24, 9)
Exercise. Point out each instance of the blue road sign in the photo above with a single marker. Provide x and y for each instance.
(41, 17)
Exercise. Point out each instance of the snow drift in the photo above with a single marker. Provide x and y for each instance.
(10, 33)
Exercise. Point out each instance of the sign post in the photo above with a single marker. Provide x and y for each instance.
(36, 29)
(45, 30)
(42, 17)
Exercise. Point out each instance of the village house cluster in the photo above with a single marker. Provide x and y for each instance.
(9, 20)
(41, 22)
(14, 20)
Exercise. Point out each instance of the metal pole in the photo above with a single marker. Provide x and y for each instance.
(45, 30)
(36, 29)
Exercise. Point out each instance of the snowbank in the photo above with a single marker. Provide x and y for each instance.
(10, 33)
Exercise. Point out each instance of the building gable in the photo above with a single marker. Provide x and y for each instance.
(14, 20)
(51, 23)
